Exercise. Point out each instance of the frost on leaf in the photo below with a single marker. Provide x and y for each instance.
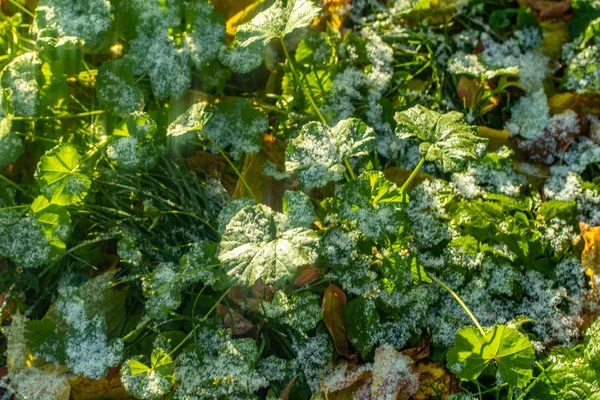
(11, 146)
(58, 174)
(372, 203)
(222, 367)
(148, 382)
(206, 35)
(257, 244)
(317, 154)
(116, 89)
(277, 21)
(22, 81)
(511, 351)
(23, 240)
(135, 151)
(88, 350)
(237, 125)
(86, 19)
(445, 138)
(193, 119)
(55, 223)
(299, 209)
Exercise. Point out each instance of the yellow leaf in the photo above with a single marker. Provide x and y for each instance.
(265, 189)
(490, 133)
(335, 12)
(590, 257)
(109, 388)
(435, 381)
(238, 12)
(555, 36)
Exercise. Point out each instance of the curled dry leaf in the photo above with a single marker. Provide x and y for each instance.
(436, 382)
(234, 320)
(392, 375)
(334, 301)
(550, 9)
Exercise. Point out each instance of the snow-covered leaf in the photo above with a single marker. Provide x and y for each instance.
(148, 382)
(11, 146)
(22, 81)
(256, 245)
(116, 89)
(317, 154)
(445, 138)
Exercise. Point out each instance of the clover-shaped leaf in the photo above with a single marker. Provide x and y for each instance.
(257, 245)
(116, 89)
(148, 382)
(58, 174)
(445, 138)
(317, 154)
(511, 351)
(11, 146)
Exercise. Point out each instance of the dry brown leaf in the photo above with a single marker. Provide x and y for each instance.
(306, 275)
(334, 301)
(550, 9)
(468, 89)
(109, 388)
(262, 291)
(234, 320)
(420, 351)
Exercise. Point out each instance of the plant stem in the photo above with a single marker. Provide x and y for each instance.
(310, 98)
(413, 174)
(203, 319)
(11, 183)
(462, 304)
(22, 8)
(305, 89)
(67, 116)
(237, 171)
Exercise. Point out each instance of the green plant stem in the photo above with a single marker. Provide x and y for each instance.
(305, 89)
(11, 183)
(67, 116)
(462, 304)
(310, 98)
(203, 319)
(22, 8)
(237, 171)
(535, 381)
(413, 174)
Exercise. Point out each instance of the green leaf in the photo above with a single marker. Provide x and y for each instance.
(152, 382)
(373, 203)
(58, 174)
(87, 20)
(256, 245)
(56, 224)
(11, 146)
(22, 80)
(417, 271)
(115, 87)
(66, 51)
(445, 138)
(317, 154)
(277, 21)
(193, 119)
(511, 351)
(236, 124)
(44, 342)
(362, 323)
(558, 209)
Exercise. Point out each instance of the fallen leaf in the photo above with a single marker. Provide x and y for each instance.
(234, 320)
(590, 257)
(109, 388)
(420, 351)
(470, 91)
(435, 381)
(306, 275)
(491, 133)
(334, 301)
(262, 291)
(335, 13)
(550, 9)
(555, 36)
